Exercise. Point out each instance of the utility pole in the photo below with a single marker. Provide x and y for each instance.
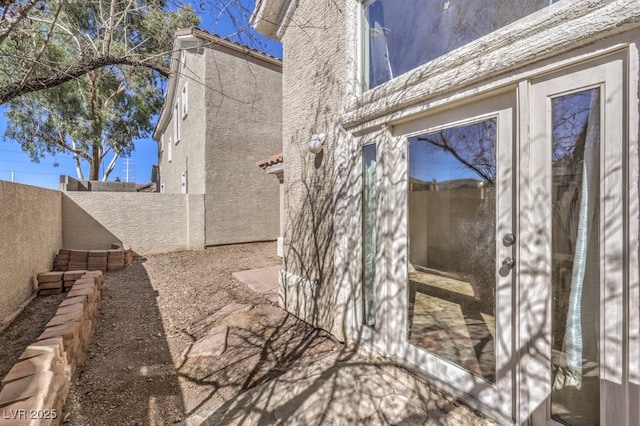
(128, 171)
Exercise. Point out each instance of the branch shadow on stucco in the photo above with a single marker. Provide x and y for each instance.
(339, 385)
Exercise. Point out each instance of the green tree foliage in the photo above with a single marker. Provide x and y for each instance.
(84, 76)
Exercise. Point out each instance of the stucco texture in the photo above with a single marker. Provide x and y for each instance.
(31, 234)
(244, 125)
(234, 119)
(313, 86)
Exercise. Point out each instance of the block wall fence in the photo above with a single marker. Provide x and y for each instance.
(35, 223)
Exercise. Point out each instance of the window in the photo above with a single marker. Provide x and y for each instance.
(176, 123)
(183, 183)
(402, 35)
(369, 207)
(184, 101)
(169, 150)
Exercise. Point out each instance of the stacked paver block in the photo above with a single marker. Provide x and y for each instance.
(115, 259)
(70, 278)
(94, 260)
(78, 259)
(39, 381)
(50, 283)
(97, 260)
(61, 263)
(128, 254)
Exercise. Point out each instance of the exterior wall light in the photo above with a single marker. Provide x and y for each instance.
(316, 143)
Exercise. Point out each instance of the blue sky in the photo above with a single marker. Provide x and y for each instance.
(16, 164)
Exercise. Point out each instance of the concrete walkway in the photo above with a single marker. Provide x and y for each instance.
(263, 281)
(341, 388)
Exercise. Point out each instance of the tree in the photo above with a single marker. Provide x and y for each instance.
(84, 76)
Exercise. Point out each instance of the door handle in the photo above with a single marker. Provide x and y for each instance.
(508, 262)
(507, 265)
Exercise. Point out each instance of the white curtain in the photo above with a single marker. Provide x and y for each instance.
(581, 337)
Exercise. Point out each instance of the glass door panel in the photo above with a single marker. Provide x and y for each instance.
(452, 245)
(575, 316)
(572, 278)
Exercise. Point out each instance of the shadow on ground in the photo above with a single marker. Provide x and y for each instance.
(128, 376)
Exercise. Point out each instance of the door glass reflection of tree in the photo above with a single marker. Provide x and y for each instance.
(575, 120)
(452, 273)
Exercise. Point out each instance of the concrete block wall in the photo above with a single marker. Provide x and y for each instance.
(148, 222)
(31, 235)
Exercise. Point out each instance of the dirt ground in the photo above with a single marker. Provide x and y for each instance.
(138, 369)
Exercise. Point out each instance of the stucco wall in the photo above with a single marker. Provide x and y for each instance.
(188, 154)
(31, 234)
(149, 222)
(315, 64)
(244, 125)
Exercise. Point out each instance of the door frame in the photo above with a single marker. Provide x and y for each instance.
(607, 73)
(498, 396)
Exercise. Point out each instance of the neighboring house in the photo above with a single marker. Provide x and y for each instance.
(222, 112)
(473, 212)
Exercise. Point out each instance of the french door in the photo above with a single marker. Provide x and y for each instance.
(458, 279)
(509, 282)
(572, 269)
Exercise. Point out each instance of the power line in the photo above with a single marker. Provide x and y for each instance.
(30, 173)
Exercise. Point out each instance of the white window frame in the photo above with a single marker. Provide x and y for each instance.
(176, 123)
(169, 150)
(184, 101)
(363, 50)
(162, 188)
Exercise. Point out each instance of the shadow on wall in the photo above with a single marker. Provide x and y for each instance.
(81, 231)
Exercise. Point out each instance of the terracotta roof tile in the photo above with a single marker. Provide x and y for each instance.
(274, 159)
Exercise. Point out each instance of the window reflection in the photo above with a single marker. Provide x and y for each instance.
(369, 193)
(452, 245)
(404, 34)
(575, 119)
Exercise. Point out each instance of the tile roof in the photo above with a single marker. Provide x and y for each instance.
(274, 159)
(215, 38)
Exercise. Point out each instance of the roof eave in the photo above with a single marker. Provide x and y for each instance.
(165, 113)
(271, 17)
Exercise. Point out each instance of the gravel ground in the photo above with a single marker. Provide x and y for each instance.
(139, 369)
(151, 313)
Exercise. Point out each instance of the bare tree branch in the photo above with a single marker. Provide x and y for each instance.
(11, 91)
(44, 45)
(15, 18)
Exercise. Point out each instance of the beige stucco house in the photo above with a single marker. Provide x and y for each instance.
(461, 188)
(222, 113)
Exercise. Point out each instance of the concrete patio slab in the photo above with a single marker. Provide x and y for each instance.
(340, 389)
(263, 281)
